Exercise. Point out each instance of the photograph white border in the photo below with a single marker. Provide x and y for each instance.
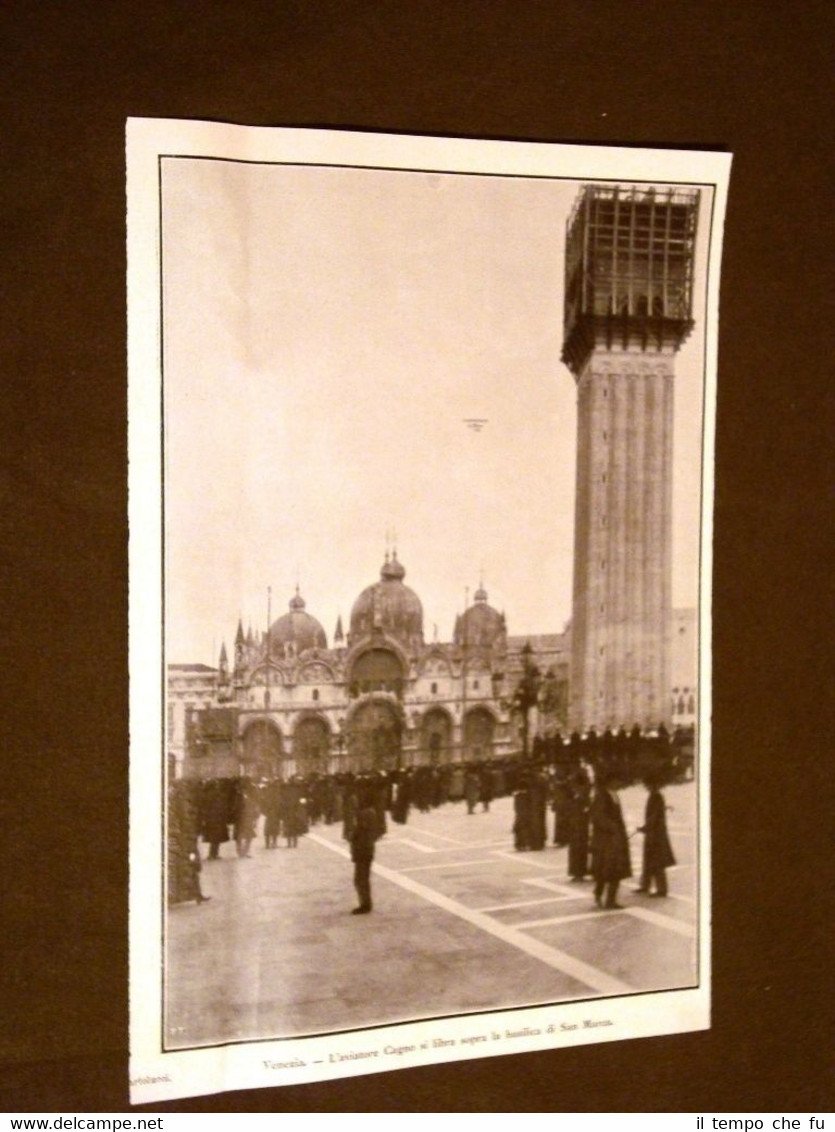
(157, 1075)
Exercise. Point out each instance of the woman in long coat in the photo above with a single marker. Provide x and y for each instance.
(610, 861)
(658, 853)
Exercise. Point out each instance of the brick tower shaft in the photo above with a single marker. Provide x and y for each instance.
(628, 300)
(620, 629)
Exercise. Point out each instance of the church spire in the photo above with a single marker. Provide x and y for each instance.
(338, 635)
(240, 648)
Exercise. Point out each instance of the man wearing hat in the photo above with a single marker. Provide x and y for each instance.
(363, 838)
(610, 863)
(658, 853)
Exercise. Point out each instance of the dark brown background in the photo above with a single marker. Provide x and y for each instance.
(748, 77)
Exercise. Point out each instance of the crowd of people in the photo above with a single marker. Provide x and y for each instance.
(577, 782)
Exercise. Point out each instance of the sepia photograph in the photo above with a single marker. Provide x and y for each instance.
(421, 493)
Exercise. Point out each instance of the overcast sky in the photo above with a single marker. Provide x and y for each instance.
(327, 332)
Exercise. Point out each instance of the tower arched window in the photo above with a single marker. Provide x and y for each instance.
(316, 693)
(681, 705)
(434, 689)
(691, 704)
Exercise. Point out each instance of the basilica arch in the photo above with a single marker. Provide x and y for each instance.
(375, 736)
(479, 732)
(311, 745)
(436, 736)
(262, 749)
(377, 665)
(378, 668)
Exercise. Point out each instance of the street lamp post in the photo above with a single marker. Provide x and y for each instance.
(526, 694)
(464, 677)
(496, 682)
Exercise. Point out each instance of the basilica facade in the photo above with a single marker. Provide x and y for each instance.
(378, 698)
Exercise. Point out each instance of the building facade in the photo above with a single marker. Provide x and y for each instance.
(381, 697)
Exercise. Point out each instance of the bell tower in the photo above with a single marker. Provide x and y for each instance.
(628, 309)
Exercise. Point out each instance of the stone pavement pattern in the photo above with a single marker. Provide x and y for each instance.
(461, 923)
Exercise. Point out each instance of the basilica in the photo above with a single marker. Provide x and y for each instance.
(379, 697)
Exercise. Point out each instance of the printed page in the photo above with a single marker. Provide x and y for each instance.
(421, 491)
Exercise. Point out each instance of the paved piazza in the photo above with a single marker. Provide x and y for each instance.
(461, 922)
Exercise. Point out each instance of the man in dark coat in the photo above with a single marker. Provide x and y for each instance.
(486, 788)
(538, 794)
(472, 789)
(349, 807)
(561, 805)
(610, 861)
(522, 817)
(380, 799)
(183, 852)
(214, 823)
(363, 839)
(578, 826)
(247, 812)
(271, 805)
(401, 797)
(294, 811)
(658, 853)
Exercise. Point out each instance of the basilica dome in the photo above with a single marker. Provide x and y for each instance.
(296, 628)
(389, 606)
(480, 626)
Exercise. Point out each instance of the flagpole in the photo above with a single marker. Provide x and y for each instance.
(464, 677)
(268, 643)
